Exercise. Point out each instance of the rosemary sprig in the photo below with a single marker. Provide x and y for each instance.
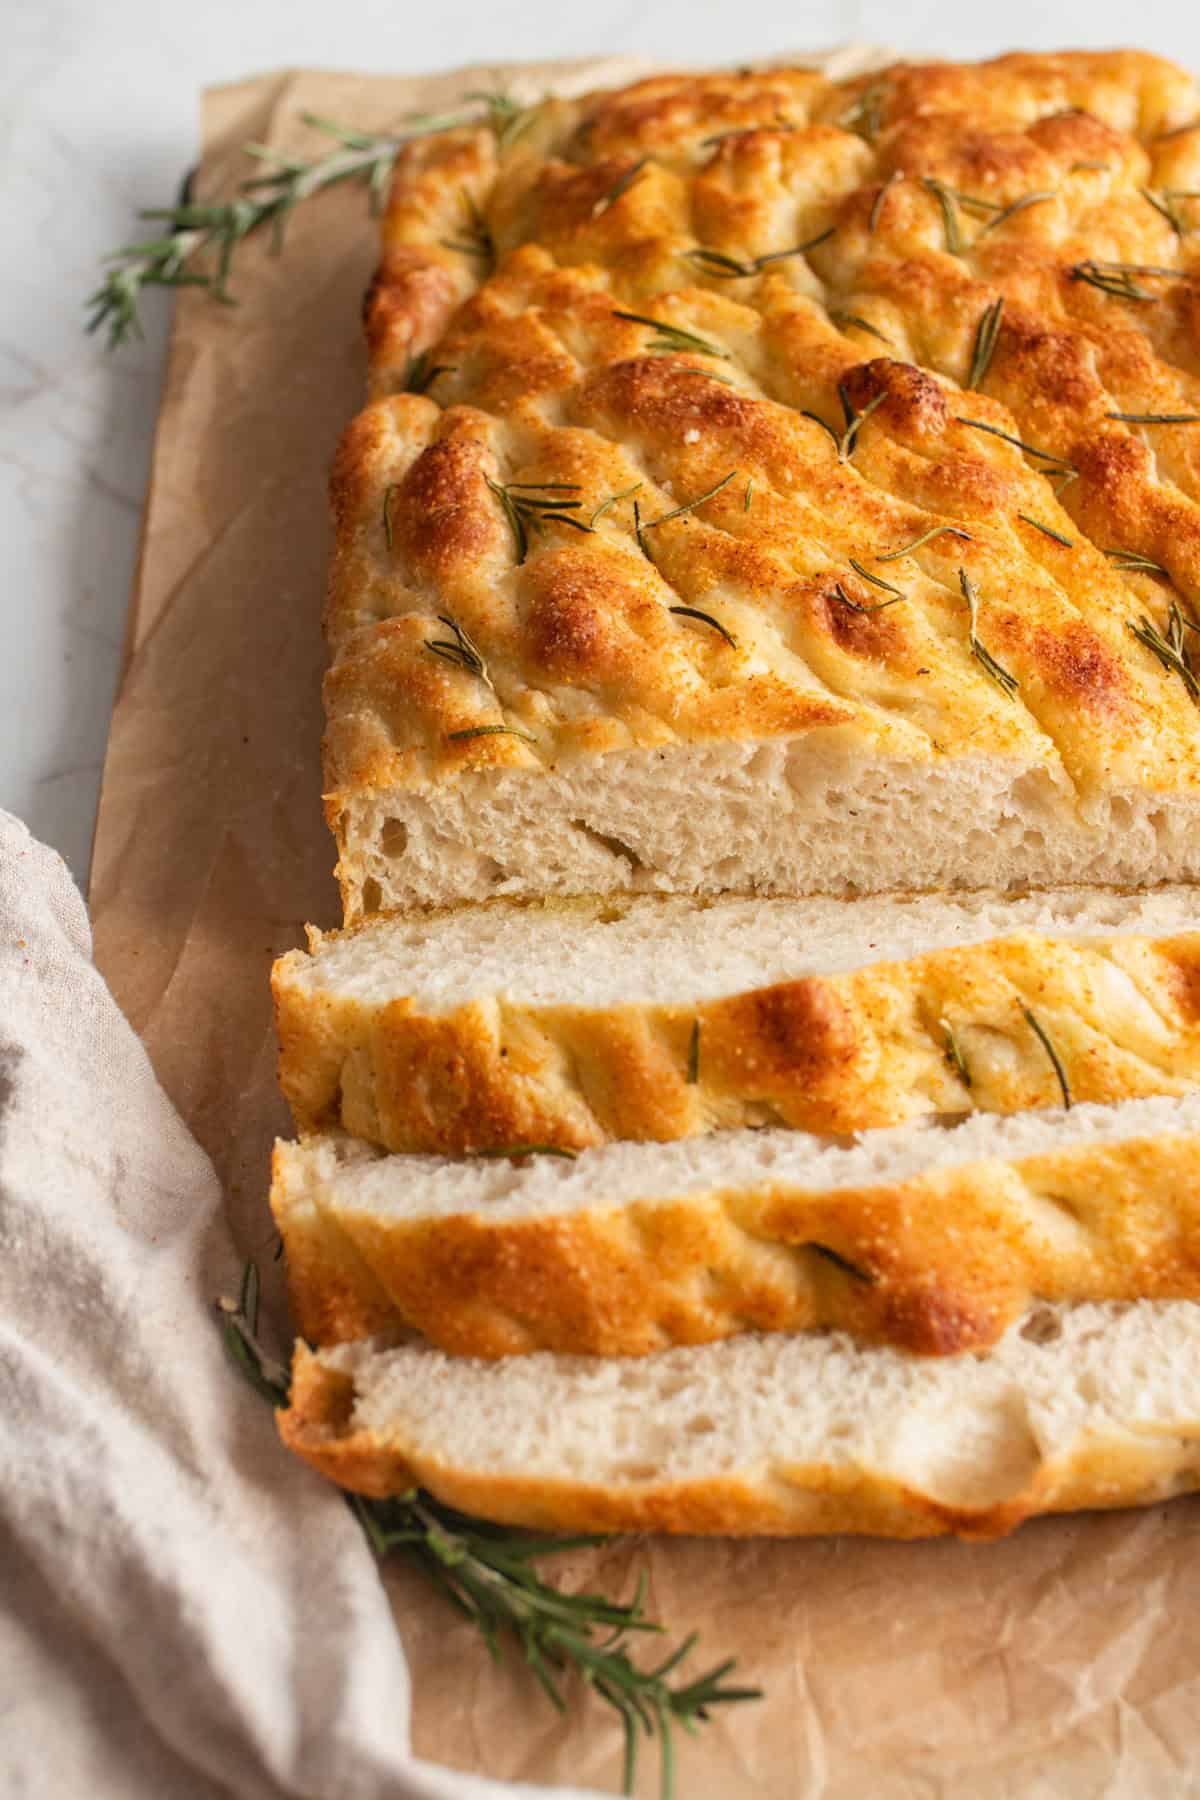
(986, 334)
(677, 512)
(693, 1061)
(1047, 530)
(477, 731)
(845, 442)
(1171, 649)
(1058, 464)
(693, 612)
(198, 242)
(1047, 1043)
(673, 337)
(842, 319)
(947, 200)
(840, 1262)
(620, 187)
(532, 505)
(1008, 684)
(458, 650)
(487, 1574)
(607, 505)
(1119, 279)
(954, 1055)
(476, 239)
(732, 268)
(925, 538)
(1127, 418)
(1133, 559)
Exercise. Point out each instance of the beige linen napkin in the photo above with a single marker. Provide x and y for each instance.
(185, 1611)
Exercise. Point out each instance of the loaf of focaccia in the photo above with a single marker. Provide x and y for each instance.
(779, 485)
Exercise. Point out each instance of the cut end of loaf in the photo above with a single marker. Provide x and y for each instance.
(772, 818)
(1077, 1407)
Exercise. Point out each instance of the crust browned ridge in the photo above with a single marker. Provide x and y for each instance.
(881, 645)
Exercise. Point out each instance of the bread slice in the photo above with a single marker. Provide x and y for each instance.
(654, 1018)
(764, 516)
(1077, 1406)
(926, 1239)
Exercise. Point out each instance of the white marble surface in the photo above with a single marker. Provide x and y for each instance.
(98, 116)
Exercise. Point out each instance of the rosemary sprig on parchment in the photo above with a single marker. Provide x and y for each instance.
(486, 1572)
(197, 242)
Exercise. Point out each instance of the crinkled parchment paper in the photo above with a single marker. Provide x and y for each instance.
(1065, 1661)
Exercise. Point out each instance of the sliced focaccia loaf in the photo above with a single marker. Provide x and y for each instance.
(1085, 1406)
(573, 1023)
(927, 1239)
(795, 487)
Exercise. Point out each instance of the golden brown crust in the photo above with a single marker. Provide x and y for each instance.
(800, 1501)
(597, 209)
(828, 1054)
(936, 1264)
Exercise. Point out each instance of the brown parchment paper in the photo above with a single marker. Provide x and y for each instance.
(1064, 1661)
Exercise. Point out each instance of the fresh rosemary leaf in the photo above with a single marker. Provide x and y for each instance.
(1057, 462)
(392, 488)
(1132, 559)
(954, 1055)
(693, 1061)
(1047, 530)
(693, 612)
(1155, 418)
(621, 186)
(477, 239)
(838, 593)
(986, 334)
(948, 202)
(673, 337)
(1163, 205)
(877, 204)
(1005, 213)
(746, 498)
(477, 731)
(825, 426)
(875, 580)
(925, 538)
(1047, 1044)
(842, 319)
(487, 1574)
(732, 268)
(458, 650)
(516, 1150)
(1171, 649)
(606, 506)
(1008, 684)
(422, 373)
(688, 506)
(840, 1262)
(864, 115)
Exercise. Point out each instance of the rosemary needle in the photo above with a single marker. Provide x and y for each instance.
(925, 537)
(392, 488)
(688, 506)
(693, 1061)
(673, 337)
(1047, 1043)
(840, 1262)
(693, 612)
(478, 731)
(1047, 530)
(986, 334)
(1127, 418)
(1007, 683)
(620, 187)
(954, 1055)
(487, 1572)
(1170, 649)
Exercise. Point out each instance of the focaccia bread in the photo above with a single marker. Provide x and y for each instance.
(926, 1240)
(1088, 1406)
(686, 544)
(576, 1022)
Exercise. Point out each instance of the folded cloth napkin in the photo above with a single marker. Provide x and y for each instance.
(187, 1612)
